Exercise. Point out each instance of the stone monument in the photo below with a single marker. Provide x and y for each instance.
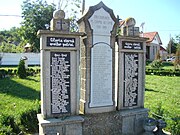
(131, 78)
(78, 89)
(97, 60)
(59, 79)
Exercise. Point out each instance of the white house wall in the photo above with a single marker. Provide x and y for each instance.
(163, 55)
(14, 58)
(156, 40)
(154, 48)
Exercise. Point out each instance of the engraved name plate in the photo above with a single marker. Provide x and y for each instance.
(60, 82)
(130, 96)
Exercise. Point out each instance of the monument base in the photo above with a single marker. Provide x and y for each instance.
(132, 121)
(124, 122)
(71, 125)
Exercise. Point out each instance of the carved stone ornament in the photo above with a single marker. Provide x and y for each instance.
(130, 22)
(59, 14)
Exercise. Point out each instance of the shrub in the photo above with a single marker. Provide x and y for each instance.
(21, 72)
(29, 121)
(3, 73)
(8, 125)
(167, 63)
(177, 59)
(148, 62)
(156, 64)
(159, 111)
(174, 125)
(162, 72)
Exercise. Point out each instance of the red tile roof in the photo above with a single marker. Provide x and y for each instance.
(151, 36)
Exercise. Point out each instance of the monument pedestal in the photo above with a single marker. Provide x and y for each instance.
(124, 122)
(70, 125)
(132, 121)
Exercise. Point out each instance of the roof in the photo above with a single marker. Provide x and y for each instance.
(151, 36)
(27, 45)
(162, 48)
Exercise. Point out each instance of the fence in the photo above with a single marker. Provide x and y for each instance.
(14, 58)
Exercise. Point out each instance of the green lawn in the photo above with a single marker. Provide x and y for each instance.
(19, 104)
(162, 97)
(19, 94)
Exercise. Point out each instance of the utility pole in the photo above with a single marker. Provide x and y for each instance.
(83, 6)
(142, 26)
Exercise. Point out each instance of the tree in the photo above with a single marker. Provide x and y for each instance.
(178, 39)
(21, 72)
(171, 46)
(1, 56)
(35, 16)
(177, 59)
(11, 36)
(11, 48)
(1, 38)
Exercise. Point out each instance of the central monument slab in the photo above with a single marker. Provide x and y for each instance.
(101, 59)
(97, 60)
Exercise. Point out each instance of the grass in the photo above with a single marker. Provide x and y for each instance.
(18, 98)
(165, 65)
(19, 94)
(162, 98)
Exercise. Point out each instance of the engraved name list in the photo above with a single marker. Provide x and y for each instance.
(60, 82)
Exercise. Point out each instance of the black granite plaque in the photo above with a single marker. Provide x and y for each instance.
(130, 96)
(60, 42)
(132, 45)
(60, 82)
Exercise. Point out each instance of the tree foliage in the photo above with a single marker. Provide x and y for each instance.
(72, 10)
(21, 72)
(177, 59)
(1, 38)
(35, 15)
(11, 41)
(173, 44)
(10, 36)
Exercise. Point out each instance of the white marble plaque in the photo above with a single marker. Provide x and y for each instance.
(101, 59)
(101, 76)
(101, 22)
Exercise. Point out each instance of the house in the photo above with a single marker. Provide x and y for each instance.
(152, 44)
(163, 53)
(28, 48)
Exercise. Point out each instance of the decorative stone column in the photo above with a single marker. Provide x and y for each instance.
(131, 78)
(59, 79)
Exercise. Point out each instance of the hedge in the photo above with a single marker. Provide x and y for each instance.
(13, 72)
(163, 72)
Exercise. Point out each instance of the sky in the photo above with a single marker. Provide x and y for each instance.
(162, 16)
